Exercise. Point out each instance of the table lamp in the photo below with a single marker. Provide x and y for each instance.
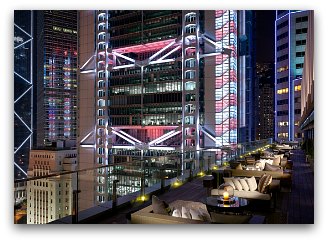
(225, 195)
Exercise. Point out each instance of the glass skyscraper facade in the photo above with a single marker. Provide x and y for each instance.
(159, 86)
(23, 90)
(56, 74)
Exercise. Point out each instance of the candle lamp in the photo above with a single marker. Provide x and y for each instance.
(225, 195)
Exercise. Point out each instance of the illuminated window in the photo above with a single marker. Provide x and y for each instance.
(297, 88)
(190, 17)
(281, 124)
(283, 135)
(101, 151)
(56, 28)
(190, 63)
(67, 30)
(191, 28)
(282, 91)
(283, 68)
(190, 74)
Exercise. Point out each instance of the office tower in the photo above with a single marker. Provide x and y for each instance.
(265, 75)
(247, 85)
(307, 93)
(291, 30)
(56, 84)
(50, 198)
(156, 86)
(23, 90)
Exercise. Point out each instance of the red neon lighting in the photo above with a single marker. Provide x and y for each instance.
(145, 47)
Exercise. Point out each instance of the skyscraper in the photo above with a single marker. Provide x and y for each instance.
(23, 89)
(157, 85)
(247, 86)
(265, 75)
(56, 84)
(307, 95)
(291, 30)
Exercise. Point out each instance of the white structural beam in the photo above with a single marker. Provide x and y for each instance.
(123, 137)
(124, 57)
(87, 62)
(88, 71)
(208, 135)
(169, 53)
(23, 94)
(124, 66)
(17, 46)
(87, 136)
(129, 136)
(167, 137)
(123, 147)
(160, 51)
(164, 135)
(23, 121)
(22, 143)
(23, 30)
(29, 82)
(211, 41)
(210, 54)
(20, 168)
(160, 61)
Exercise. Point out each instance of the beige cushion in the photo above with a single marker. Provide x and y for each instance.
(185, 213)
(176, 213)
(244, 184)
(252, 184)
(237, 184)
(239, 167)
(264, 183)
(228, 180)
(276, 160)
(269, 167)
(196, 214)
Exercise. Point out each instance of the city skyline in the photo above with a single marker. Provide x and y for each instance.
(148, 97)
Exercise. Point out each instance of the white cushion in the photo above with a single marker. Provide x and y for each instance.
(252, 184)
(244, 184)
(185, 213)
(228, 180)
(262, 162)
(196, 214)
(176, 213)
(237, 184)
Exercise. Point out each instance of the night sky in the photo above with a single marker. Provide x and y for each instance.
(265, 35)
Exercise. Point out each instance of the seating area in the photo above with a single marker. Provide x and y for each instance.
(188, 212)
(294, 206)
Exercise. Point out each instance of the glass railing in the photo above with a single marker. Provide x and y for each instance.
(73, 196)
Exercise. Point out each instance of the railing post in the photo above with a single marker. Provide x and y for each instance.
(209, 165)
(114, 197)
(75, 215)
(191, 170)
(162, 179)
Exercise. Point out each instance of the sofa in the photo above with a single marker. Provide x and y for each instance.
(254, 193)
(147, 216)
(277, 166)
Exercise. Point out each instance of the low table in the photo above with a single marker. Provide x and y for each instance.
(217, 204)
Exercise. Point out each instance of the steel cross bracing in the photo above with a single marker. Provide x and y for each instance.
(113, 62)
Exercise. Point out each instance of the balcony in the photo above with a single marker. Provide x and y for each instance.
(129, 187)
